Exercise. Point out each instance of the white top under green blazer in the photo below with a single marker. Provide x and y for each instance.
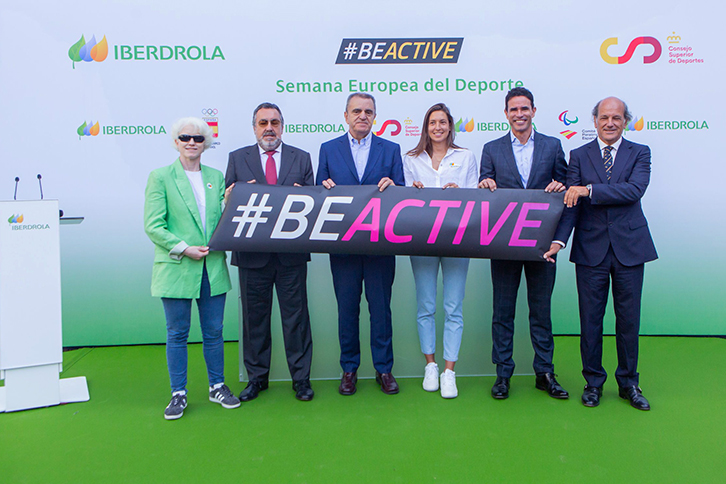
(172, 222)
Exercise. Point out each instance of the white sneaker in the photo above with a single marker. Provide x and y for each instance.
(448, 384)
(431, 377)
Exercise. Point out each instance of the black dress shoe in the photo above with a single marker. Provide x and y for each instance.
(591, 396)
(303, 390)
(500, 390)
(251, 391)
(388, 383)
(547, 382)
(347, 383)
(635, 395)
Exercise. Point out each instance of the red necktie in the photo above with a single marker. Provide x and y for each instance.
(270, 168)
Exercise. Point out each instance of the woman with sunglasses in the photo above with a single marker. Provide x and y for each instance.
(182, 208)
(436, 162)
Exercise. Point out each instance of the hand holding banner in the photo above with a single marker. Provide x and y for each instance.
(504, 224)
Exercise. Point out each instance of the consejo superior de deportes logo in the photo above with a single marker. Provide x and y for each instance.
(91, 51)
(647, 59)
(395, 130)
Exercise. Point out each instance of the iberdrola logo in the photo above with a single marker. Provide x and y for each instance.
(88, 51)
(16, 219)
(88, 129)
(464, 126)
(635, 124)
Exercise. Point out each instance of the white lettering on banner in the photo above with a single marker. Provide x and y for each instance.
(365, 50)
(251, 214)
(326, 216)
(299, 217)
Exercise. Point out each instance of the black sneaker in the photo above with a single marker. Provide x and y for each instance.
(223, 395)
(176, 407)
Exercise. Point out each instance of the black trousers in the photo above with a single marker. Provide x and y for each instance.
(593, 286)
(540, 276)
(256, 285)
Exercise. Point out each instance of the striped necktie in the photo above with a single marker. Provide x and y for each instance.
(608, 160)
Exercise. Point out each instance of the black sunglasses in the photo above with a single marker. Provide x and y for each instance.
(198, 138)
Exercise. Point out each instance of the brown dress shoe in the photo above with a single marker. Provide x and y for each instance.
(347, 383)
(388, 383)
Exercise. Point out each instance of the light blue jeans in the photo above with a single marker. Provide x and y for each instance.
(178, 320)
(425, 274)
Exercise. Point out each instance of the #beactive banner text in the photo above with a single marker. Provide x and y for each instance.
(504, 224)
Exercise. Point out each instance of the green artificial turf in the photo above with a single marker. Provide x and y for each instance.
(415, 436)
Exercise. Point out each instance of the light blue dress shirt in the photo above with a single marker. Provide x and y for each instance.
(523, 156)
(360, 152)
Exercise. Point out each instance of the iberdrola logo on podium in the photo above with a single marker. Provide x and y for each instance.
(88, 51)
(16, 219)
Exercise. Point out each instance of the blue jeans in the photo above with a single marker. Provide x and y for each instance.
(178, 320)
(425, 274)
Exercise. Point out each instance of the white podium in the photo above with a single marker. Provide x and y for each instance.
(31, 339)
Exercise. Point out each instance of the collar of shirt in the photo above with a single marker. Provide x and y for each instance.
(515, 140)
(615, 146)
(276, 156)
(363, 143)
(360, 151)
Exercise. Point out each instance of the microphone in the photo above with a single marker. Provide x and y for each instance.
(40, 184)
(15, 195)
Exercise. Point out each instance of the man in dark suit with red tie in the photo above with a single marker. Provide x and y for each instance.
(272, 162)
(606, 179)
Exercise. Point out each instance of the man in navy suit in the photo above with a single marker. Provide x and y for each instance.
(607, 178)
(272, 162)
(523, 158)
(360, 158)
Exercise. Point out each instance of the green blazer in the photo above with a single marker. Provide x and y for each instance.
(171, 220)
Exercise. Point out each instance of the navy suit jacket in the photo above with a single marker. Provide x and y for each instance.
(336, 162)
(613, 216)
(244, 165)
(548, 163)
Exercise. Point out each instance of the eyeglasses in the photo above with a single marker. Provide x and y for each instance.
(198, 138)
(262, 123)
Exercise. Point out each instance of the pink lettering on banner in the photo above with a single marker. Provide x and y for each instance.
(443, 205)
(464, 222)
(487, 237)
(388, 230)
(374, 207)
(522, 222)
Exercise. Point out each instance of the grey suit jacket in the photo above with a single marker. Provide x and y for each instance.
(548, 163)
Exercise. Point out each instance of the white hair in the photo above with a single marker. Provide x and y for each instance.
(201, 126)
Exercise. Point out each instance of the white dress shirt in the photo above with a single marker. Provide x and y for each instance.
(458, 166)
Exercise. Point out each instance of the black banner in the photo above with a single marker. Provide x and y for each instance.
(456, 222)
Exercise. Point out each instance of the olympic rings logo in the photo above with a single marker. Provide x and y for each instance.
(209, 112)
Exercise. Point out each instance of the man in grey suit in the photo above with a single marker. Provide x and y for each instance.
(523, 158)
(272, 162)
